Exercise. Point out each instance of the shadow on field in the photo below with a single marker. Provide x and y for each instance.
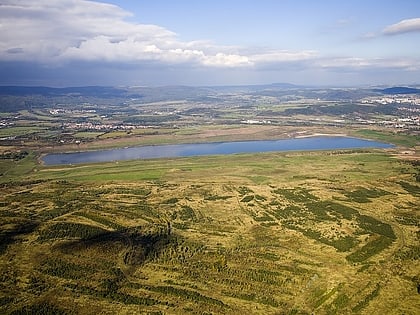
(10, 235)
(139, 244)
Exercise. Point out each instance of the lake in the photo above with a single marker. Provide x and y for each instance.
(184, 150)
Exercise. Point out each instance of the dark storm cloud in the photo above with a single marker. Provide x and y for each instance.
(16, 50)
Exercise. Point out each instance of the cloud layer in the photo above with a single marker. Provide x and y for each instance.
(57, 33)
(62, 30)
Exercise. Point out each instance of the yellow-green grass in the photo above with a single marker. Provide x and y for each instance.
(397, 138)
(329, 232)
(88, 134)
(15, 131)
(293, 166)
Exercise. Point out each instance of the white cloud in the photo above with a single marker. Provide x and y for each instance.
(404, 26)
(283, 56)
(368, 36)
(64, 30)
(357, 64)
(53, 30)
(227, 60)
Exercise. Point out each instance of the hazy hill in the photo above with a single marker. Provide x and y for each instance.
(399, 90)
(96, 91)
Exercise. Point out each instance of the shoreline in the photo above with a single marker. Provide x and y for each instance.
(323, 135)
(99, 148)
(319, 142)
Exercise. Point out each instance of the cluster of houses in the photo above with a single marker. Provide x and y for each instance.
(395, 99)
(97, 127)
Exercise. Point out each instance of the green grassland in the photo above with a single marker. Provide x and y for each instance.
(329, 232)
(388, 136)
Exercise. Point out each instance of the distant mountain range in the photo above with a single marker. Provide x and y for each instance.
(118, 92)
(102, 91)
(399, 90)
(14, 98)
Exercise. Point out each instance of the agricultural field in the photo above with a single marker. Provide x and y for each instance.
(86, 118)
(326, 232)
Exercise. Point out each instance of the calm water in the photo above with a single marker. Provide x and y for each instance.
(179, 150)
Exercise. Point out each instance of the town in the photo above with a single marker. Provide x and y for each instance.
(54, 122)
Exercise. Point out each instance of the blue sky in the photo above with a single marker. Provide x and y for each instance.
(170, 42)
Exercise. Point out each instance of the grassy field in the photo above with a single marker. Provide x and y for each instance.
(332, 232)
(388, 136)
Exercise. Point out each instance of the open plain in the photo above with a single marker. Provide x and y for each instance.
(323, 232)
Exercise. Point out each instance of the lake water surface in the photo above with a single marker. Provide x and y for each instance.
(183, 150)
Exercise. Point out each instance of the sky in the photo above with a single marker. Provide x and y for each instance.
(209, 42)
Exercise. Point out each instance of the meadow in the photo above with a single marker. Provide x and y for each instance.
(326, 232)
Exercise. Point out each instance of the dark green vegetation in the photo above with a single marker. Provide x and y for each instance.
(295, 233)
(332, 232)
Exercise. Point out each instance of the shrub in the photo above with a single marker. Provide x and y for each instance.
(370, 249)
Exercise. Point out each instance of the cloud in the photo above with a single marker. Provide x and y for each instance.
(99, 42)
(404, 26)
(349, 64)
(59, 31)
(16, 50)
(267, 58)
(55, 30)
